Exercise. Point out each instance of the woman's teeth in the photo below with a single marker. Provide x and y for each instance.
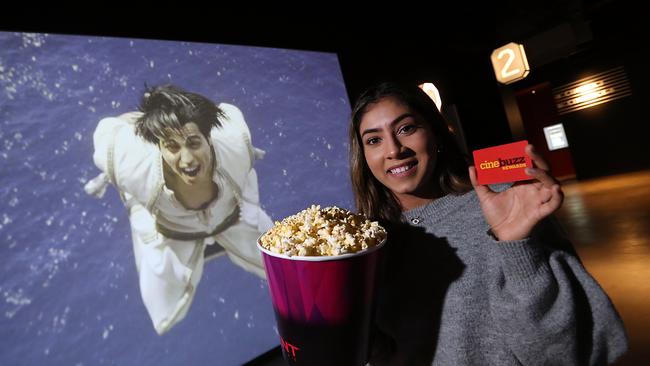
(401, 169)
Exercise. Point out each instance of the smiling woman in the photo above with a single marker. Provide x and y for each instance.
(480, 276)
(394, 151)
(184, 169)
(399, 149)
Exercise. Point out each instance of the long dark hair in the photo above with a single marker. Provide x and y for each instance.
(374, 199)
(170, 107)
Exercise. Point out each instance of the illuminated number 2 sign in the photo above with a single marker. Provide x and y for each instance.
(510, 63)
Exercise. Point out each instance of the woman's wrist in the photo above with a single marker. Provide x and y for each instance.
(492, 235)
(503, 237)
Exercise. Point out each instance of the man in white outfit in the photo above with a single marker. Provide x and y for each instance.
(184, 168)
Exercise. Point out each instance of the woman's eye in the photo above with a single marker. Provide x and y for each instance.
(407, 129)
(372, 140)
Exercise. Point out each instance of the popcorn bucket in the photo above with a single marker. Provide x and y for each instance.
(324, 305)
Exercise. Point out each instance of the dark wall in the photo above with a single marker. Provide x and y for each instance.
(537, 109)
(464, 78)
(612, 137)
(572, 40)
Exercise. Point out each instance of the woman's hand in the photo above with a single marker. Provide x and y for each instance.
(513, 213)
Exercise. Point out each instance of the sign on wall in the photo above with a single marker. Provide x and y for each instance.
(510, 63)
(555, 137)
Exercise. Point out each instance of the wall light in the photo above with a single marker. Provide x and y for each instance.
(588, 92)
(433, 93)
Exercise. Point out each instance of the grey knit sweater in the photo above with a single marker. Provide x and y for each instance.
(452, 295)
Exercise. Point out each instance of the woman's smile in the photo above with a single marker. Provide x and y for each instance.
(399, 149)
(403, 170)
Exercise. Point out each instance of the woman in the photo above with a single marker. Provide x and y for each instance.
(184, 169)
(474, 276)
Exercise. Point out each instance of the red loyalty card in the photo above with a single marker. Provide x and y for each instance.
(503, 163)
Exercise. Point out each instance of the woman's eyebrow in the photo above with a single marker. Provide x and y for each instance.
(369, 130)
(396, 120)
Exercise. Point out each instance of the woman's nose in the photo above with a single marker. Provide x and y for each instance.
(394, 148)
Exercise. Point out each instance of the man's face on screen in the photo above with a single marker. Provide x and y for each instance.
(188, 154)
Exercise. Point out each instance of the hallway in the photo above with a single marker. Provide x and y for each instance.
(608, 221)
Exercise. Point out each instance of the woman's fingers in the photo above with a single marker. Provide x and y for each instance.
(554, 202)
(481, 190)
(537, 158)
(472, 176)
(542, 176)
(541, 171)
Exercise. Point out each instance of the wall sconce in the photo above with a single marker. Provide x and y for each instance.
(433, 93)
(588, 92)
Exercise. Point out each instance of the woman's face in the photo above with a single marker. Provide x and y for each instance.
(399, 148)
(188, 154)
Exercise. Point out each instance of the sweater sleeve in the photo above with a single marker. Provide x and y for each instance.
(549, 309)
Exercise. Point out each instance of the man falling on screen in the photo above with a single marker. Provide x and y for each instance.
(184, 169)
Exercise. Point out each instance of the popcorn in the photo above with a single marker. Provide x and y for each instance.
(322, 232)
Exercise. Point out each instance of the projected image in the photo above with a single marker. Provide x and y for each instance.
(137, 176)
(183, 168)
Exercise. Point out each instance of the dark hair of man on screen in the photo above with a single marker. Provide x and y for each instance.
(168, 108)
